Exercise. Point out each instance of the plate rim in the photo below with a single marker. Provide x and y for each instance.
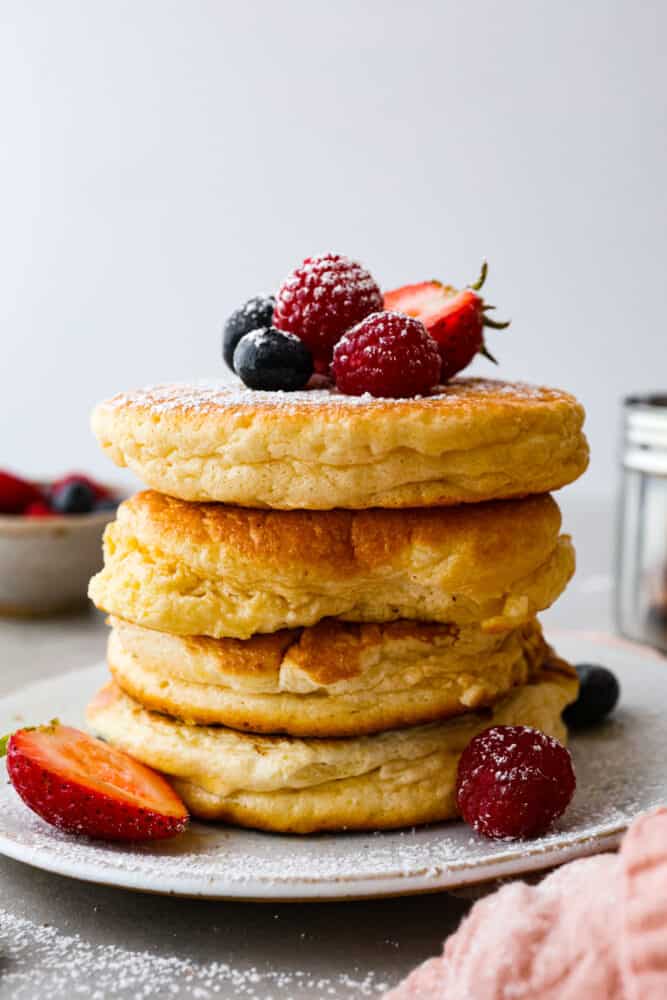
(393, 886)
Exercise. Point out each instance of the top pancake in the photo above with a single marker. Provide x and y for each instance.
(468, 441)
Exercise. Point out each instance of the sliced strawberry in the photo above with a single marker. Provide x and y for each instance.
(81, 785)
(455, 319)
(16, 494)
(422, 301)
(99, 492)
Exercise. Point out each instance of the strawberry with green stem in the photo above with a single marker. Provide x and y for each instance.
(455, 319)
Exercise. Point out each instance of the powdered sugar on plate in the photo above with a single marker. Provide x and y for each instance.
(619, 774)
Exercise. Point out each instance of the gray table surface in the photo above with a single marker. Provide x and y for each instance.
(62, 938)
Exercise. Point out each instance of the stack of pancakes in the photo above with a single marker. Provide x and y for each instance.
(322, 598)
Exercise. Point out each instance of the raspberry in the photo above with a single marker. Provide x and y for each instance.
(322, 299)
(387, 354)
(514, 781)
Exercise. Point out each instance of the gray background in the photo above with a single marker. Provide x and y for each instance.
(162, 161)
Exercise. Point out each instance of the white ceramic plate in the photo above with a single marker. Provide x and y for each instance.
(620, 773)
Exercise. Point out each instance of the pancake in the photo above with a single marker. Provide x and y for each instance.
(229, 572)
(334, 679)
(468, 441)
(398, 778)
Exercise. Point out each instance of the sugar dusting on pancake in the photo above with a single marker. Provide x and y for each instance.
(207, 395)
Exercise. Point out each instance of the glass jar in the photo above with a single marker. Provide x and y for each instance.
(641, 564)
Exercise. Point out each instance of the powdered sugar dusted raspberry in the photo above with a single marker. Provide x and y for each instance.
(322, 298)
(387, 354)
(514, 781)
(209, 397)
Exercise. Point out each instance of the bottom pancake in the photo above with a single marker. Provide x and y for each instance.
(333, 679)
(402, 777)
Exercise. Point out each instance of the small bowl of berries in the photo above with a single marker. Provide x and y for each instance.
(50, 541)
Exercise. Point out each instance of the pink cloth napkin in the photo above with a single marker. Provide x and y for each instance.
(595, 929)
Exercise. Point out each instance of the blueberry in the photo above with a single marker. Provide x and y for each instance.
(74, 497)
(107, 503)
(256, 313)
(598, 693)
(271, 359)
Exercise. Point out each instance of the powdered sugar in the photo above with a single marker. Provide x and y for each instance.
(207, 397)
(43, 962)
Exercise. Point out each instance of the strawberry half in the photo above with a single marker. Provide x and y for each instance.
(455, 319)
(81, 785)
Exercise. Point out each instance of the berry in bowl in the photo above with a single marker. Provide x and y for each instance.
(50, 541)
